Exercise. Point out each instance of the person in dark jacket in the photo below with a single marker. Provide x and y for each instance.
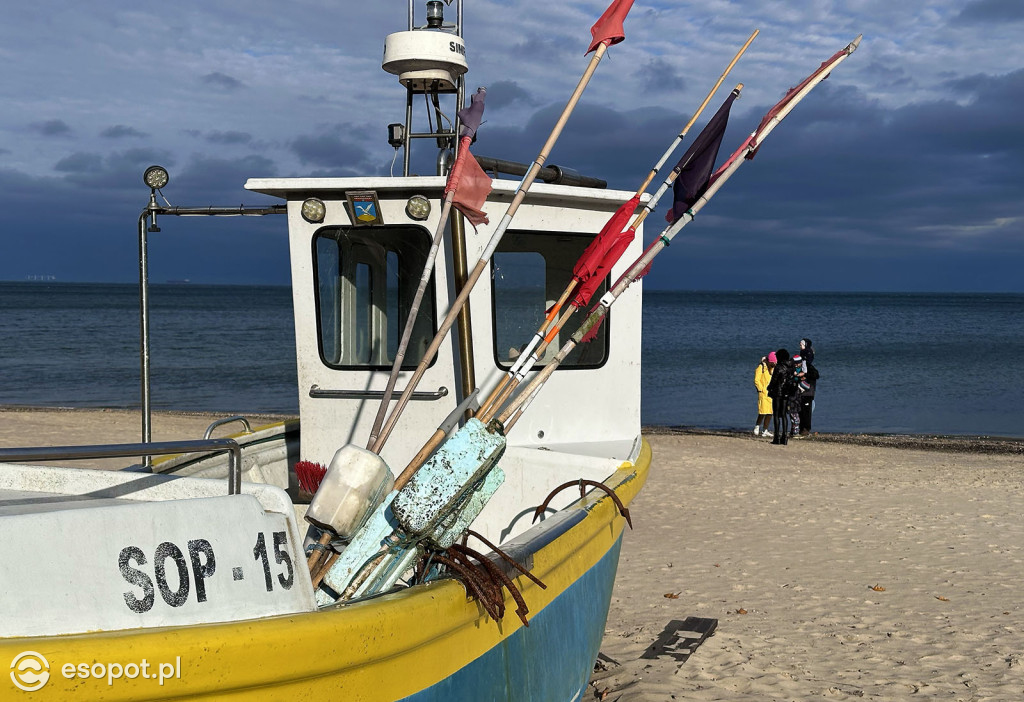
(806, 399)
(780, 389)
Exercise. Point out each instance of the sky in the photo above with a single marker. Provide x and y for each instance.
(901, 172)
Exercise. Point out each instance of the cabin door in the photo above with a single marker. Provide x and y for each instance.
(365, 280)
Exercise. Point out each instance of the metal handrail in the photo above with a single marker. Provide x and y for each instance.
(227, 420)
(159, 448)
(317, 391)
(150, 214)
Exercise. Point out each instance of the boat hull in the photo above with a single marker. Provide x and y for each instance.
(423, 643)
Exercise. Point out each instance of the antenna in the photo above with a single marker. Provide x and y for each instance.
(429, 60)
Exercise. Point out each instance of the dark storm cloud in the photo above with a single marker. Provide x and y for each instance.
(53, 127)
(117, 174)
(336, 148)
(842, 180)
(889, 76)
(80, 163)
(507, 92)
(121, 131)
(221, 81)
(206, 176)
(982, 11)
(91, 234)
(597, 141)
(659, 75)
(229, 137)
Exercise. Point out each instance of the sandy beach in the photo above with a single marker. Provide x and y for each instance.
(836, 567)
(834, 571)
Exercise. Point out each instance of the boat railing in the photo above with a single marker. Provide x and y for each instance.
(149, 449)
(227, 420)
(148, 223)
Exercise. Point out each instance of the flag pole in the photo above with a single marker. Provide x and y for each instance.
(515, 410)
(538, 345)
(545, 336)
(428, 269)
(488, 251)
(668, 153)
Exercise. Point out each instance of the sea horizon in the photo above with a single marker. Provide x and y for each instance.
(647, 288)
(891, 363)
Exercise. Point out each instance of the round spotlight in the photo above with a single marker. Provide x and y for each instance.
(314, 210)
(155, 177)
(418, 208)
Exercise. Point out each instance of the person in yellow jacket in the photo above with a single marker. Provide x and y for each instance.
(763, 376)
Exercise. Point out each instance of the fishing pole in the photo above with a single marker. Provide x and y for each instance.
(747, 150)
(605, 34)
(435, 505)
(608, 30)
(545, 333)
(470, 118)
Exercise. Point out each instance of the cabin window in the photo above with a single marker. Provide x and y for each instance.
(366, 279)
(530, 270)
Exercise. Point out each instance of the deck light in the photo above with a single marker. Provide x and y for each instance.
(314, 210)
(155, 177)
(418, 208)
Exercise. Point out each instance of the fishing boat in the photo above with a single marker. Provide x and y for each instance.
(185, 574)
(288, 561)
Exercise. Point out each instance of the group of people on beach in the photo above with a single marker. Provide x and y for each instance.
(785, 393)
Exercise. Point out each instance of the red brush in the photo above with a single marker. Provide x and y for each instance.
(310, 475)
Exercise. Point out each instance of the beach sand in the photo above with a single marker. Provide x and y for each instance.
(834, 571)
(837, 567)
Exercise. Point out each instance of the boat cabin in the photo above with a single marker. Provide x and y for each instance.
(354, 274)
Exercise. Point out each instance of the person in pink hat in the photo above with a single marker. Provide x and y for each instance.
(763, 376)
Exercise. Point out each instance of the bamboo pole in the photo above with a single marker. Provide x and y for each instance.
(428, 270)
(597, 314)
(536, 349)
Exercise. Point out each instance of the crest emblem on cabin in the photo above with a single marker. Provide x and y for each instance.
(364, 207)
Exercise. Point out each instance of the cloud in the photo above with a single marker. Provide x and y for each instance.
(80, 163)
(336, 147)
(659, 75)
(116, 174)
(991, 11)
(120, 131)
(507, 92)
(53, 127)
(229, 137)
(222, 82)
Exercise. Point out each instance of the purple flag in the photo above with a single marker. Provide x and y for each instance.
(696, 165)
(472, 116)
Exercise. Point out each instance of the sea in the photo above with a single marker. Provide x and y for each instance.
(890, 363)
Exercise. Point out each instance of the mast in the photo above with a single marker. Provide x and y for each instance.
(428, 65)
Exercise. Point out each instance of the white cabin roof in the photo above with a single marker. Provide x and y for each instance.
(501, 189)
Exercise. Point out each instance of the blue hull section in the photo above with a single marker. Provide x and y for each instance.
(549, 661)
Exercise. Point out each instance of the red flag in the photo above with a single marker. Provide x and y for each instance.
(647, 268)
(825, 66)
(596, 251)
(592, 334)
(471, 186)
(615, 251)
(608, 29)
(728, 162)
(467, 180)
